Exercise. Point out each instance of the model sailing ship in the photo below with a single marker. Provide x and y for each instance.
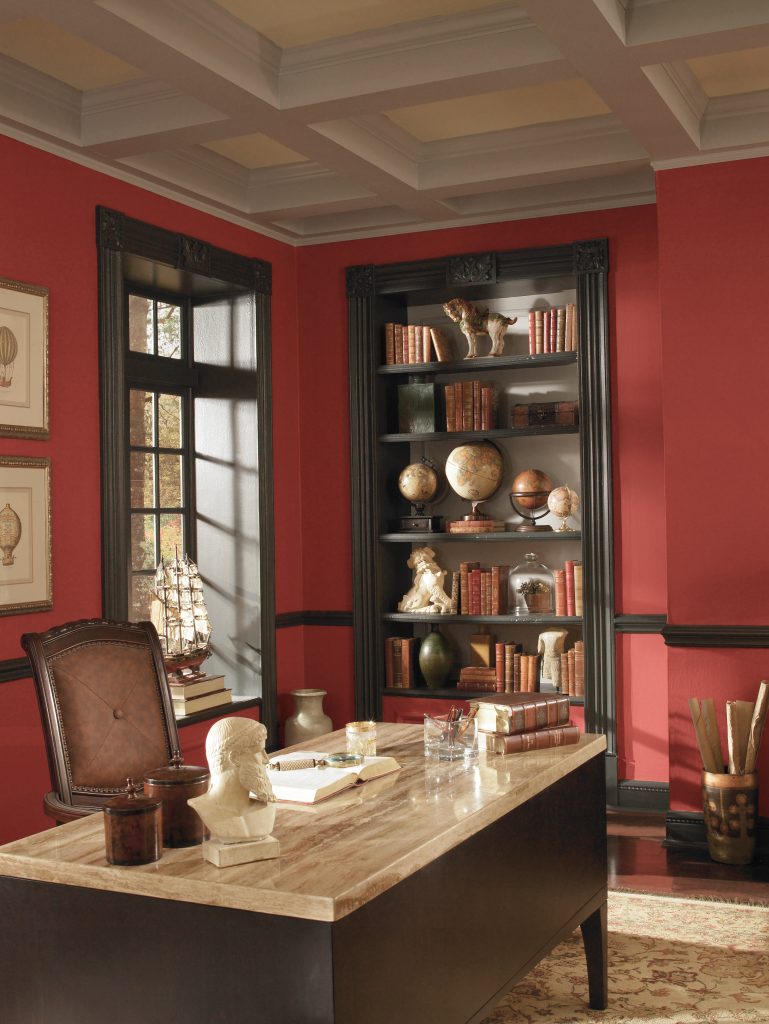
(180, 617)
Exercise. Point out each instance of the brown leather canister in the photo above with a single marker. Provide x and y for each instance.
(175, 785)
(132, 827)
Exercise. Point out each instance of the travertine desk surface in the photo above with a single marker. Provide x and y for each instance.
(336, 855)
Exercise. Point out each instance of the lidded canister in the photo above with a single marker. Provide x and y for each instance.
(174, 785)
(132, 827)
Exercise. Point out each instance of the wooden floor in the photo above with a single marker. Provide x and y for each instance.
(639, 861)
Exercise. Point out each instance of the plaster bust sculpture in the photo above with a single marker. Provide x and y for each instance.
(239, 808)
(426, 595)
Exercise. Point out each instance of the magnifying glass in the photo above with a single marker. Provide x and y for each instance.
(329, 761)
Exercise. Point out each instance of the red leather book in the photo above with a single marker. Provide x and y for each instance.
(539, 331)
(559, 577)
(532, 333)
(553, 329)
(397, 663)
(545, 332)
(569, 570)
(499, 667)
(540, 739)
(398, 342)
(475, 591)
(389, 344)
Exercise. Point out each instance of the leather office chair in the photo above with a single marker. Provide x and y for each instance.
(105, 707)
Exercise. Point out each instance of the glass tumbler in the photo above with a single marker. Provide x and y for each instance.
(361, 738)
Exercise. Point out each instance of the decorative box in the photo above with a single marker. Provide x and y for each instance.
(562, 414)
(416, 407)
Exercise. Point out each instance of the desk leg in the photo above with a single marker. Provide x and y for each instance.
(594, 938)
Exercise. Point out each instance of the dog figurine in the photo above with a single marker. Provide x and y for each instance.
(474, 322)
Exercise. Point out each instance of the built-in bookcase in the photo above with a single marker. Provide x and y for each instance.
(512, 283)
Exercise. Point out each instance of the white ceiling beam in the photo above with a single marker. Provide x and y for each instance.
(670, 21)
(588, 41)
(37, 101)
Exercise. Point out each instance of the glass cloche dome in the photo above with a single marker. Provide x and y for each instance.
(531, 587)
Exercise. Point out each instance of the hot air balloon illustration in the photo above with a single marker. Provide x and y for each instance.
(9, 348)
(10, 533)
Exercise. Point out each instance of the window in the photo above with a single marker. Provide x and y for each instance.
(184, 332)
(161, 493)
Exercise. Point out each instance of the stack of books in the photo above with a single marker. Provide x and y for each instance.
(510, 723)
(201, 694)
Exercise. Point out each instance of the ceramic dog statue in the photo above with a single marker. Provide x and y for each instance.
(474, 322)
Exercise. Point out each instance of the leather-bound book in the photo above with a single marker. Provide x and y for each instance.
(508, 713)
(568, 327)
(560, 329)
(397, 664)
(487, 407)
(559, 577)
(458, 406)
(389, 668)
(454, 593)
(539, 331)
(475, 591)
(448, 399)
(411, 343)
(477, 422)
(467, 405)
(442, 345)
(540, 739)
(389, 344)
(569, 570)
(398, 340)
(532, 333)
(499, 667)
(578, 588)
(427, 347)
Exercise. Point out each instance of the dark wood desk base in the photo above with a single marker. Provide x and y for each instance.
(444, 944)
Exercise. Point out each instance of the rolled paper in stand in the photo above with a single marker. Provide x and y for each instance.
(730, 805)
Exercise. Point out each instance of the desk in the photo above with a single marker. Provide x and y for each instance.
(420, 896)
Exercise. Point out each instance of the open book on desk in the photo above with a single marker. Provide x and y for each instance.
(309, 785)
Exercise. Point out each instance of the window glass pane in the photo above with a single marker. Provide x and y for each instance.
(170, 479)
(140, 332)
(142, 480)
(141, 598)
(169, 330)
(171, 536)
(143, 554)
(169, 421)
(141, 417)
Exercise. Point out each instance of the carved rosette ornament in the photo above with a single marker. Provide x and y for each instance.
(262, 277)
(193, 255)
(591, 257)
(477, 268)
(111, 228)
(360, 282)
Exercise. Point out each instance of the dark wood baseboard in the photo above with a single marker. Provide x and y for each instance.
(716, 636)
(687, 828)
(637, 795)
(14, 668)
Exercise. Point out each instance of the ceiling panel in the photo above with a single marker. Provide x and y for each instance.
(499, 111)
(254, 151)
(298, 22)
(70, 59)
(729, 74)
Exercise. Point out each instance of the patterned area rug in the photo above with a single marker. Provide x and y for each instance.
(671, 961)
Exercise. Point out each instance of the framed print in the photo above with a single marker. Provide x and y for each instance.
(23, 360)
(25, 535)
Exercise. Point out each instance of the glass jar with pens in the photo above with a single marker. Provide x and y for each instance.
(453, 736)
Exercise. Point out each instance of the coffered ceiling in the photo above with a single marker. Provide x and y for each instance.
(314, 120)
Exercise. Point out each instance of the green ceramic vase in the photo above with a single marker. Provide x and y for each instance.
(436, 659)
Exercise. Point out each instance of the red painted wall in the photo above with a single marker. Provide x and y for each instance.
(714, 269)
(47, 226)
(637, 430)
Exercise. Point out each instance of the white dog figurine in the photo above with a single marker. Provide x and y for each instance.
(427, 596)
(474, 322)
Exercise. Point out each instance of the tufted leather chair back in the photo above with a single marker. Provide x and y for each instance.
(105, 706)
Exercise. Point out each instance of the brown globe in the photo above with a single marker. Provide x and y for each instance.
(530, 488)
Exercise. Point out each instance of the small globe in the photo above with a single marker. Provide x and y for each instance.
(563, 502)
(530, 488)
(418, 483)
(474, 471)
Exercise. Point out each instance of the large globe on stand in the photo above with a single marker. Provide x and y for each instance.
(474, 471)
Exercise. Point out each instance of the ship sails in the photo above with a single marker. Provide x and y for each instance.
(178, 610)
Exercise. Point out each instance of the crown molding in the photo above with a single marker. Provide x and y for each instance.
(29, 96)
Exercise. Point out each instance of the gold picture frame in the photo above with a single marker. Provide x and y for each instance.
(23, 360)
(25, 534)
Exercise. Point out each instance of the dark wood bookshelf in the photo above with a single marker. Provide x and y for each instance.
(453, 693)
(506, 620)
(483, 364)
(414, 292)
(479, 435)
(508, 535)
(221, 711)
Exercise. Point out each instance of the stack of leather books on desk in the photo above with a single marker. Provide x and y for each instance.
(510, 723)
(190, 696)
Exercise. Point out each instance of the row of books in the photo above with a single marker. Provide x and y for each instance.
(414, 343)
(470, 405)
(568, 588)
(512, 723)
(553, 330)
(190, 696)
(479, 591)
(572, 679)
(400, 662)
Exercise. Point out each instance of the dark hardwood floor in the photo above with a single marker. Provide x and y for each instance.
(639, 861)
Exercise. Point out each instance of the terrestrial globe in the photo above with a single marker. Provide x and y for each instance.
(528, 496)
(474, 471)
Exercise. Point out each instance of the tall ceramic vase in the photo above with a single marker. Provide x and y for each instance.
(436, 659)
(308, 719)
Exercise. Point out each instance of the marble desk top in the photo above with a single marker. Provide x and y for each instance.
(336, 855)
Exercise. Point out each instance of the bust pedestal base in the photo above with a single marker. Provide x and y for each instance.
(226, 855)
